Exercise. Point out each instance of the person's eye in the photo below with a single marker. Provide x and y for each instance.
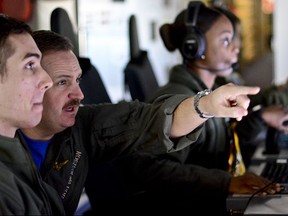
(226, 42)
(30, 66)
(78, 80)
(62, 82)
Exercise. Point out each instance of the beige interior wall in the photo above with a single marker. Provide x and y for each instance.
(42, 10)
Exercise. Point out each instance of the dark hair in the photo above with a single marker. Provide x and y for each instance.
(174, 34)
(8, 26)
(47, 41)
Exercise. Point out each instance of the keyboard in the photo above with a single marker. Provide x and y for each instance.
(272, 169)
(277, 170)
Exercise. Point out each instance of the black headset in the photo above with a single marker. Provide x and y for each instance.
(193, 46)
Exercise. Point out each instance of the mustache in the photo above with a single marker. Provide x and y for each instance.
(74, 102)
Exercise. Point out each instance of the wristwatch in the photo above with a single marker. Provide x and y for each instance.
(196, 103)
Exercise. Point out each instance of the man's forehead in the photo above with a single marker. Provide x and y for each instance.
(23, 44)
(60, 62)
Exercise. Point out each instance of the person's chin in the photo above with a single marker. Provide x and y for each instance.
(226, 72)
(69, 122)
(33, 121)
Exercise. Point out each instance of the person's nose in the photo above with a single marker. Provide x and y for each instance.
(77, 93)
(236, 49)
(236, 46)
(46, 81)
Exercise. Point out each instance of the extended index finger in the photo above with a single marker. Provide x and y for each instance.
(244, 90)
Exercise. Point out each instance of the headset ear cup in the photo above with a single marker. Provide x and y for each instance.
(194, 45)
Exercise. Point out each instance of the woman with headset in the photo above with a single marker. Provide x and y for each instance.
(204, 37)
(208, 39)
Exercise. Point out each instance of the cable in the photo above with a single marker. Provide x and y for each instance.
(263, 188)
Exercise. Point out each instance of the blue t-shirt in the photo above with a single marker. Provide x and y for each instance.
(38, 149)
